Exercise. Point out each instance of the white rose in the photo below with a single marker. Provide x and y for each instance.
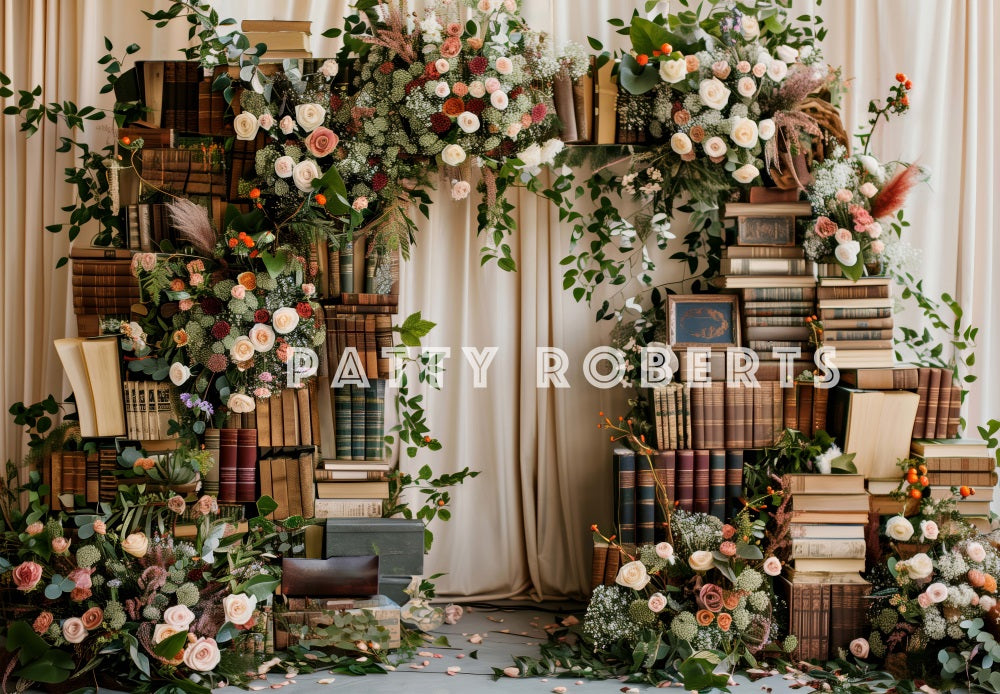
(460, 190)
(701, 560)
(262, 337)
(657, 602)
(285, 320)
(673, 71)
(919, 566)
(868, 189)
(665, 550)
(309, 116)
(633, 575)
(499, 100)
(286, 125)
(329, 68)
(512, 130)
(772, 566)
(442, 65)
(468, 121)
(937, 592)
(871, 165)
(680, 143)
(746, 173)
(73, 630)
(744, 132)
(746, 86)
(453, 155)
(987, 603)
(242, 349)
(847, 254)
(777, 70)
(179, 373)
(766, 129)
(899, 528)
(504, 65)
(531, 156)
(246, 126)
(749, 27)
(805, 52)
(929, 530)
(283, 166)
(304, 173)
(136, 544)
(179, 617)
(241, 403)
(203, 655)
(477, 89)
(164, 631)
(715, 147)
(239, 608)
(714, 93)
(787, 53)
(551, 148)
(266, 121)
(976, 552)
(442, 89)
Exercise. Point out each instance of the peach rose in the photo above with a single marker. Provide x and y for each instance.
(504, 65)
(976, 552)
(262, 337)
(715, 146)
(843, 236)
(240, 403)
(632, 575)
(60, 545)
(451, 47)
(844, 195)
(81, 577)
(990, 584)
(937, 592)
(721, 69)
(859, 648)
(239, 608)
(285, 320)
(42, 622)
(657, 602)
(731, 600)
(724, 620)
(203, 655)
(100, 527)
(283, 166)
(176, 504)
(242, 349)
(286, 125)
(164, 631)
(691, 62)
(665, 550)
(924, 600)
(759, 70)
(34, 528)
(92, 618)
(704, 617)
(73, 630)
(701, 560)
(743, 66)
(772, 566)
(27, 575)
(136, 544)
(321, 142)
(178, 616)
(238, 291)
(304, 173)
(728, 549)
(825, 227)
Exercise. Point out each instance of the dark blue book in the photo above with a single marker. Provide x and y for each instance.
(645, 509)
(717, 484)
(623, 468)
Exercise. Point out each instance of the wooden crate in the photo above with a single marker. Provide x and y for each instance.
(317, 613)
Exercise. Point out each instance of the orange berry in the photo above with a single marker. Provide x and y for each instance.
(908, 84)
(600, 414)
(255, 193)
(427, 439)
(666, 48)
(915, 493)
(809, 319)
(642, 437)
(923, 469)
(905, 101)
(900, 77)
(233, 243)
(126, 140)
(254, 253)
(642, 59)
(440, 502)
(249, 243)
(912, 479)
(964, 491)
(911, 471)
(594, 527)
(320, 199)
(924, 481)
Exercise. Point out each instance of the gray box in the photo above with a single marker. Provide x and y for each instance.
(399, 543)
(393, 586)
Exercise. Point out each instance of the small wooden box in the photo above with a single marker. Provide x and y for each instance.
(398, 543)
(778, 230)
(309, 613)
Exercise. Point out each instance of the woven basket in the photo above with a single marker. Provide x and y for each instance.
(791, 170)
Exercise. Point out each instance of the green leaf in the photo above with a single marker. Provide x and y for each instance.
(595, 44)
(747, 551)
(635, 78)
(259, 586)
(266, 506)
(169, 647)
(275, 264)
(21, 636)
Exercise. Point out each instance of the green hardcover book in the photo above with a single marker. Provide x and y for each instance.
(358, 422)
(717, 484)
(347, 268)
(623, 483)
(343, 420)
(374, 419)
(370, 264)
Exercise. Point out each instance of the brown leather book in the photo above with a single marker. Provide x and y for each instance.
(314, 426)
(702, 480)
(868, 291)
(805, 416)
(715, 422)
(275, 411)
(777, 411)
(848, 606)
(685, 480)
(307, 483)
(246, 465)
(264, 472)
(697, 399)
(734, 427)
(944, 404)
(745, 402)
(227, 465)
(294, 487)
(933, 403)
(665, 466)
(820, 399)
(761, 415)
(955, 414)
(791, 407)
(598, 564)
(923, 391)
(371, 358)
(612, 565)
(279, 484)
(304, 416)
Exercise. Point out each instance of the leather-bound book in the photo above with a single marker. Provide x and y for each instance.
(944, 404)
(685, 479)
(246, 464)
(734, 426)
(624, 481)
(598, 564)
(227, 465)
(210, 483)
(734, 481)
(805, 419)
(702, 480)
(933, 402)
(665, 471)
(923, 388)
(820, 399)
(645, 508)
(697, 398)
(715, 423)
(717, 484)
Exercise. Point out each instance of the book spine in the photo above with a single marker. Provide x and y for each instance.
(358, 422)
(734, 427)
(343, 420)
(777, 411)
(717, 484)
(734, 482)
(663, 471)
(716, 426)
(933, 401)
(944, 404)
(854, 313)
(923, 390)
(612, 565)
(246, 465)
(624, 468)
(374, 419)
(702, 481)
(819, 406)
(858, 292)
(645, 502)
(828, 549)
(598, 564)
(761, 413)
(347, 268)
(210, 482)
(685, 480)
(779, 294)
(856, 335)
(805, 411)
(383, 340)
(227, 465)
(954, 413)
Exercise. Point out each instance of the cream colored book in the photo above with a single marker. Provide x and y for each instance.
(92, 366)
(877, 425)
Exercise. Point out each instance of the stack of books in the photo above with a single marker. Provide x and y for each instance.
(148, 410)
(289, 481)
(829, 516)
(288, 418)
(718, 416)
(857, 320)
(103, 285)
(776, 316)
(958, 463)
(145, 226)
(574, 102)
(805, 407)
(826, 612)
(284, 39)
(940, 408)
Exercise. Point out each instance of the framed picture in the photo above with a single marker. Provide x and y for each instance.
(703, 320)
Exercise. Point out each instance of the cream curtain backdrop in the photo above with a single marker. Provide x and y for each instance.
(522, 526)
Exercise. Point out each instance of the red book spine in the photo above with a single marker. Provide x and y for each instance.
(227, 465)
(685, 479)
(246, 464)
(701, 481)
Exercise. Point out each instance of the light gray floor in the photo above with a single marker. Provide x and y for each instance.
(504, 632)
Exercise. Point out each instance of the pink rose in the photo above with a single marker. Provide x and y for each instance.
(81, 577)
(451, 47)
(262, 392)
(504, 65)
(743, 66)
(453, 29)
(924, 600)
(453, 613)
(308, 289)
(34, 529)
(100, 527)
(197, 279)
(185, 304)
(728, 531)
(360, 203)
(937, 592)
(728, 548)
(92, 618)
(825, 227)
(27, 575)
(759, 70)
(321, 142)
(721, 69)
(862, 218)
(286, 125)
(868, 189)
(710, 597)
(492, 84)
(73, 630)
(843, 236)
(859, 648)
(42, 622)
(665, 550)
(176, 504)
(266, 121)
(987, 603)
(238, 291)
(844, 195)
(203, 655)
(877, 247)
(976, 552)
(499, 100)
(691, 62)
(657, 602)
(460, 190)
(772, 566)
(60, 544)
(204, 505)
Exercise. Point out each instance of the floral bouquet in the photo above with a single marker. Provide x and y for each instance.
(851, 193)
(114, 591)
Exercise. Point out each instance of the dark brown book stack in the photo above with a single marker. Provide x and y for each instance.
(146, 225)
(826, 616)
(848, 608)
(246, 465)
(103, 284)
(190, 170)
(960, 462)
(574, 103)
(857, 320)
(940, 409)
(181, 79)
(805, 407)
(212, 107)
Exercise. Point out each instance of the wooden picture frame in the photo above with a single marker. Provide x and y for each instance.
(703, 320)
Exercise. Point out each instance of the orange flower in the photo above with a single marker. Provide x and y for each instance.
(255, 193)
(126, 140)
(145, 463)
(320, 199)
(704, 617)
(233, 243)
(900, 77)
(453, 107)
(642, 59)
(990, 584)
(725, 620)
(180, 337)
(248, 280)
(176, 285)
(731, 600)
